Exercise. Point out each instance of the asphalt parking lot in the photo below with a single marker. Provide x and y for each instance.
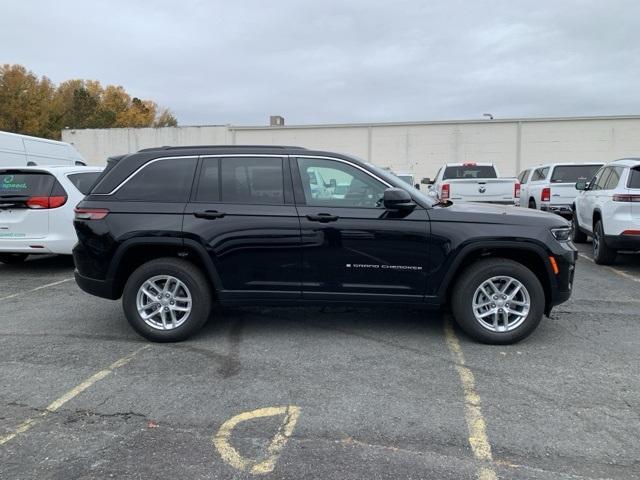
(330, 393)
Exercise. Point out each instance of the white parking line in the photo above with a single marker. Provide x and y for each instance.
(59, 402)
(13, 295)
(626, 275)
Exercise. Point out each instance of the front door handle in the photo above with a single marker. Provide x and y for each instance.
(323, 218)
(209, 214)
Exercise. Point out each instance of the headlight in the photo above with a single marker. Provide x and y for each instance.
(562, 234)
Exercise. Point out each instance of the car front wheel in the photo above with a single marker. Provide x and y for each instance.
(498, 301)
(167, 300)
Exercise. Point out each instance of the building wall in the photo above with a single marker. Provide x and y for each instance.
(416, 147)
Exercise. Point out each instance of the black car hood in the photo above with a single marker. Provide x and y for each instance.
(501, 214)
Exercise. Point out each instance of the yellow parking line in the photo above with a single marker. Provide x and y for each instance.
(231, 456)
(59, 402)
(36, 289)
(626, 275)
(476, 425)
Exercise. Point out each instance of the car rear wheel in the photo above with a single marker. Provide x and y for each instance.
(167, 300)
(577, 235)
(13, 258)
(498, 301)
(602, 254)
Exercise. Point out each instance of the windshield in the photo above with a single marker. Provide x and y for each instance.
(573, 173)
(469, 171)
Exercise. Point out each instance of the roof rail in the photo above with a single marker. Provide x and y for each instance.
(191, 147)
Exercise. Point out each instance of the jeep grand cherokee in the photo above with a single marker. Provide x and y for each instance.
(174, 230)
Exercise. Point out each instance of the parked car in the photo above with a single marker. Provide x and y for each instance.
(608, 209)
(172, 230)
(474, 182)
(23, 150)
(36, 209)
(552, 187)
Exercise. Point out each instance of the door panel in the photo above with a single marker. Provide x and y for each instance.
(239, 212)
(352, 247)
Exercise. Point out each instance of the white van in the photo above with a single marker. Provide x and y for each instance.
(23, 150)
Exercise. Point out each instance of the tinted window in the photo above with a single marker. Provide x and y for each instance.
(331, 183)
(600, 179)
(161, 181)
(25, 183)
(539, 174)
(209, 182)
(523, 177)
(83, 181)
(252, 180)
(634, 178)
(614, 178)
(573, 173)
(469, 171)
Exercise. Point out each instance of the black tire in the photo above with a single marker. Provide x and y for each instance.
(13, 258)
(187, 273)
(577, 235)
(602, 254)
(532, 203)
(475, 275)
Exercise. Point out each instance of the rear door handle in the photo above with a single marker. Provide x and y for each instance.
(323, 218)
(209, 214)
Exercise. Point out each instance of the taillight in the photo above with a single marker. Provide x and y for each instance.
(516, 190)
(626, 198)
(90, 213)
(631, 232)
(46, 202)
(445, 191)
(545, 196)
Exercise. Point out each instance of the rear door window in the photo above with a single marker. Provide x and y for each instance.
(469, 171)
(257, 181)
(573, 173)
(162, 181)
(539, 174)
(83, 181)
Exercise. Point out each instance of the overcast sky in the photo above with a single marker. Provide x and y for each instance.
(322, 61)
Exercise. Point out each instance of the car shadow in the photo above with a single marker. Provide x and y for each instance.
(50, 263)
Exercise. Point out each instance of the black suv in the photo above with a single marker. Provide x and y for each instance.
(174, 230)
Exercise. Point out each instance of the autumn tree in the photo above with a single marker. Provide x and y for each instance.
(35, 106)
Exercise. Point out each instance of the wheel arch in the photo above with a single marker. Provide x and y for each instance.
(134, 252)
(533, 256)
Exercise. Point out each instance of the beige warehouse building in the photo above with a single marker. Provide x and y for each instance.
(415, 147)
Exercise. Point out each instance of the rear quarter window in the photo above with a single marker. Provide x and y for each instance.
(162, 181)
(83, 181)
(634, 178)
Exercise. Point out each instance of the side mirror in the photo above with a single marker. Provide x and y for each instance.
(397, 199)
(417, 186)
(582, 185)
(426, 181)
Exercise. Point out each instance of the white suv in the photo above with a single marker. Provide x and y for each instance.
(608, 209)
(36, 209)
(552, 187)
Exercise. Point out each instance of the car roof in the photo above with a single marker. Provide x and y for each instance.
(627, 162)
(54, 168)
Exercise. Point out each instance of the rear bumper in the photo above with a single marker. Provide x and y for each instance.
(564, 210)
(99, 288)
(57, 245)
(623, 242)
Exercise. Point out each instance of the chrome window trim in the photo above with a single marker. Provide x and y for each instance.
(139, 169)
(384, 182)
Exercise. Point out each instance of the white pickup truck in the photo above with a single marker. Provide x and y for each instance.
(473, 182)
(552, 187)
